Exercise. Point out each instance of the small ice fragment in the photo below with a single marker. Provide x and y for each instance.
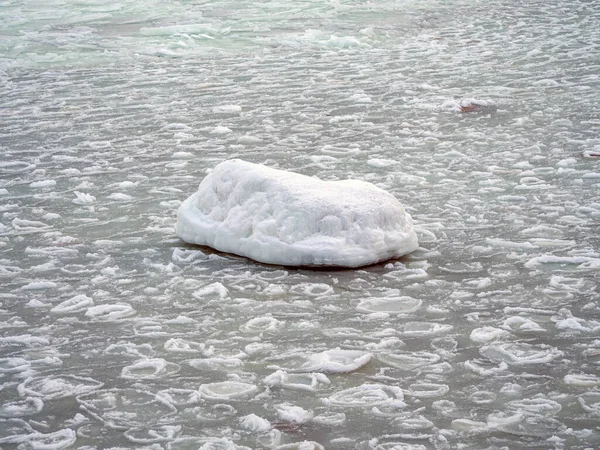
(255, 423)
(42, 184)
(336, 361)
(292, 413)
(28, 225)
(75, 304)
(221, 130)
(390, 305)
(299, 381)
(150, 369)
(227, 390)
(409, 361)
(582, 380)
(227, 109)
(520, 354)
(110, 312)
(366, 395)
(119, 196)
(39, 285)
(83, 198)
(21, 408)
(212, 290)
(487, 334)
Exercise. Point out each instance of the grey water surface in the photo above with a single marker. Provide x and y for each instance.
(482, 118)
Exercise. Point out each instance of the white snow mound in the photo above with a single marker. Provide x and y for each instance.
(279, 217)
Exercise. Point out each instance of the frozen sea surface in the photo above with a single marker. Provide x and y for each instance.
(480, 117)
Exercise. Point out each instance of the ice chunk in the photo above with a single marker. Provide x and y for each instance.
(123, 409)
(538, 405)
(13, 365)
(299, 381)
(391, 305)
(367, 395)
(64, 438)
(227, 390)
(115, 311)
(43, 184)
(582, 380)
(428, 390)
(21, 408)
(181, 397)
(279, 217)
(227, 109)
(253, 422)
(83, 198)
(221, 130)
(487, 334)
(149, 369)
(54, 387)
(76, 304)
(329, 361)
(153, 434)
(409, 361)
(519, 354)
(293, 413)
(119, 196)
(304, 445)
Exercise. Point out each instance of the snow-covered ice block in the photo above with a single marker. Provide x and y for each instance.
(279, 217)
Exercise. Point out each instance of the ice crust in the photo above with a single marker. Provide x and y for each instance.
(279, 217)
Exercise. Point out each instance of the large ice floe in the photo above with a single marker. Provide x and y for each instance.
(279, 217)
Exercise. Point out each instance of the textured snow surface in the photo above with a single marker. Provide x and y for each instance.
(280, 217)
(481, 118)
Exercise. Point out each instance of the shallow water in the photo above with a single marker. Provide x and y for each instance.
(113, 333)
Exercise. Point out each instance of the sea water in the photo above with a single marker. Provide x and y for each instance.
(480, 117)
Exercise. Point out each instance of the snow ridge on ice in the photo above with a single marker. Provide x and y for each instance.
(279, 217)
